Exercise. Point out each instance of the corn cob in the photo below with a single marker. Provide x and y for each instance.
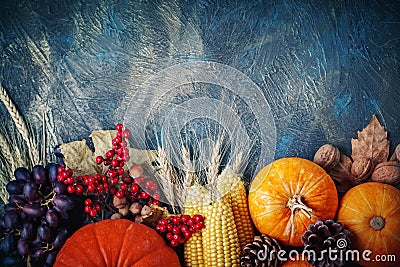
(220, 239)
(193, 248)
(230, 184)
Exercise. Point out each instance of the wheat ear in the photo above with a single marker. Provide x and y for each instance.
(214, 163)
(167, 177)
(20, 124)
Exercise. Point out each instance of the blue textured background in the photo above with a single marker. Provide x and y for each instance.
(324, 66)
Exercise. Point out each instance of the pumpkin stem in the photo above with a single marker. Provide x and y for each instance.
(377, 223)
(296, 203)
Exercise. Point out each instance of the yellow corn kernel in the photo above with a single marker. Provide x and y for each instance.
(193, 248)
(230, 184)
(220, 239)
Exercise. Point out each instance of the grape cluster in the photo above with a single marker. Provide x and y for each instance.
(178, 229)
(34, 226)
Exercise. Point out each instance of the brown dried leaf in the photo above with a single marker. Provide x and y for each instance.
(371, 144)
(396, 154)
(79, 157)
(82, 161)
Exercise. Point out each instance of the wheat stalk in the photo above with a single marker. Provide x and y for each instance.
(214, 163)
(20, 124)
(167, 177)
(3, 182)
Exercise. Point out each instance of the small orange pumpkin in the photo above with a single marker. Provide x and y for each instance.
(288, 195)
(116, 243)
(371, 212)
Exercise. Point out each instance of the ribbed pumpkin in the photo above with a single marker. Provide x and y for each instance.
(288, 195)
(371, 212)
(116, 243)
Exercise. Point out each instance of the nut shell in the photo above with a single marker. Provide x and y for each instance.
(327, 156)
(387, 172)
(362, 168)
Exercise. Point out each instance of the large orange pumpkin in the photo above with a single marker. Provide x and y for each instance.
(116, 243)
(288, 195)
(371, 212)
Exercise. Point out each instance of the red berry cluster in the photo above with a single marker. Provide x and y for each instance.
(115, 181)
(178, 229)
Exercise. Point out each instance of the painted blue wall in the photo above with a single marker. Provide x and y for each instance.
(325, 67)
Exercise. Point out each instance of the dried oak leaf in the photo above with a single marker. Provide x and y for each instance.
(370, 148)
(396, 154)
(82, 161)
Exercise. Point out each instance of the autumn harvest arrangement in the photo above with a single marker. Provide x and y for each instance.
(121, 206)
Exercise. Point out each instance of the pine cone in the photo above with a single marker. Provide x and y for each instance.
(262, 252)
(325, 236)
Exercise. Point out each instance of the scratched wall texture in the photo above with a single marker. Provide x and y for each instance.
(324, 66)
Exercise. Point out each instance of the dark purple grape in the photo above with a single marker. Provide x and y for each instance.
(39, 174)
(12, 220)
(63, 213)
(34, 210)
(44, 233)
(22, 173)
(12, 261)
(57, 152)
(46, 190)
(63, 202)
(31, 192)
(17, 199)
(37, 243)
(10, 207)
(23, 247)
(52, 218)
(15, 187)
(9, 243)
(28, 231)
(37, 253)
(52, 169)
(61, 237)
(50, 258)
(60, 188)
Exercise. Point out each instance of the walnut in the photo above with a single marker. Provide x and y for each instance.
(337, 165)
(387, 172)
(327, 156)
(362, 168)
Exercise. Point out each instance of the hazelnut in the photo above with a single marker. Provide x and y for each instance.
(120, 203)
(135, 171)
(135, 208)
(387, 172)
(146, 210)
(138, 219)
(124, 211)
(116, 216)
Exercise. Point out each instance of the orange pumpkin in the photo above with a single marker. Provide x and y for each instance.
(119, 243)
(371, 212)
(288, 195)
